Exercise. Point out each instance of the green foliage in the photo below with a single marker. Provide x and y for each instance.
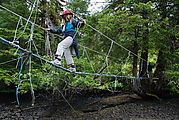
(8, 71)
(173, 75)
(6, 33)
(47, 77)
(79, 7)
(8, 20)
(111, 85)
(84, 82)
(101, 82)
(7, 77)
(125, 22)
(173, 80)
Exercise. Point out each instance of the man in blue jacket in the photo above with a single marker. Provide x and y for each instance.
(69, 43)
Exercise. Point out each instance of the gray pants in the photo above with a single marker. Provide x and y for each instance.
(65, 49)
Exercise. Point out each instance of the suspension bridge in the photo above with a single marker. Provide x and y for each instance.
(29, 52)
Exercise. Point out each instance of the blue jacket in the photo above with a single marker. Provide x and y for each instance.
(70, 31)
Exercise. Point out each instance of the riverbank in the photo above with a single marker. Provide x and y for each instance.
(48, 107)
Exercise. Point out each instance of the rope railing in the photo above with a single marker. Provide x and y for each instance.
(60, 67)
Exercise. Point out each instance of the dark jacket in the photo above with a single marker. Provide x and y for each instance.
(70, 31)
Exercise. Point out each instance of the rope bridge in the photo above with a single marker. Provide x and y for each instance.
(29, 53)
(60, 67)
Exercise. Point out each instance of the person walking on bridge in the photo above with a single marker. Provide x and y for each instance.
(69, 44)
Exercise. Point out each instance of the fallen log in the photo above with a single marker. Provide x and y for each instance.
(110, 102)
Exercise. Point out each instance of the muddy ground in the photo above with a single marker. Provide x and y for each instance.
(50, 107)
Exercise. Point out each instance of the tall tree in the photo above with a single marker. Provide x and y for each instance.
(79, 7)
(169, 21)
(50, 17)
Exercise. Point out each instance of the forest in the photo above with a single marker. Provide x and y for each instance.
(125, 46)
(122, 39)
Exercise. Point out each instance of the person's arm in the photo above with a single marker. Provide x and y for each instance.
(58, 31)
(79, 24)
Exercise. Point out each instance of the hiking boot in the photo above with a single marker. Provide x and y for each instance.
(72, 69)
(56, 61)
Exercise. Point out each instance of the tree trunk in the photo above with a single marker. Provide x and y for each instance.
(160, 68)
(144, 54)
(161, 60)
(135, 50)
(49, 24)
(143, 64)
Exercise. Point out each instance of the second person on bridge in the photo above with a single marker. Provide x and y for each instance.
(69, 44)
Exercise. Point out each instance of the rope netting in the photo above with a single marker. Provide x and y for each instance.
(31, 44)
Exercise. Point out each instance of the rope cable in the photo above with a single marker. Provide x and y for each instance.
(27, 20)
(20, 18)
(30, 67)
(16, 50)
(114, 41)
(8, 61)
(115, 83)
(30, 79)
(60, 67)
(109, 53)
(97, 52)
(125, 63)
(89, 60)
(66, 100)
(30, 56)
(110, 38)
(17, 64)
(19, 76)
